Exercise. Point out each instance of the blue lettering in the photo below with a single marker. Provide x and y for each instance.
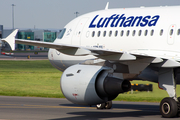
(99, 23)
(128, 22)
(120, 18)
(139, 20)
(91, 25)
(145, 20)
(109, 20)
(116, 20)
(154, 21)
(112, 24)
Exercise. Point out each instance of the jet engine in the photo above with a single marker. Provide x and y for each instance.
(90, 85)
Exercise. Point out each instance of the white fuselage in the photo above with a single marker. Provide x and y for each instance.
(113, 46)
(154, 31)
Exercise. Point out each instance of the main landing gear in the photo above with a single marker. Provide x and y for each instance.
(106, 105)
(169, 106)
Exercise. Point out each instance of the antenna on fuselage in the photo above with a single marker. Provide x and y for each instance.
(107, 6)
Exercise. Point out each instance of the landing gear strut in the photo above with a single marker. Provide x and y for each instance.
(106, 105)
(170, 106)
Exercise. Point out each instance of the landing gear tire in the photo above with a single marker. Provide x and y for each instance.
(178, 115)
(168, 107)
(178, 99)
(178, 107)
(100, 106)
(108, 105)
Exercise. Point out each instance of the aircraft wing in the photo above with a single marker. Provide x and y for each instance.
(70, 49)
(100, 53)
(67, 49)
(11, 40)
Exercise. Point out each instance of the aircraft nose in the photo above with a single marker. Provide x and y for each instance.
(55, 58)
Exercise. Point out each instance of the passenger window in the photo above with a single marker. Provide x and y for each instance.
(127, 34)
(122, 32)
(140, 31)
(146, 32)
(171, 31)
(99, 32)
(152, 32)
(61, 34)
(87, 34)
(134, 32)
(93, 33)
(161, 32)
(104, 34)
(116, 33)
(178, 32)
(110, 33)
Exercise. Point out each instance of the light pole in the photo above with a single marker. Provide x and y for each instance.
(13, 16)
(76, 14)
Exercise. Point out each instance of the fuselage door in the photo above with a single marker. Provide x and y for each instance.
(171, 34)
(76, 39)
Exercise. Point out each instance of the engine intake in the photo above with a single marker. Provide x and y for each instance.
(89, 85)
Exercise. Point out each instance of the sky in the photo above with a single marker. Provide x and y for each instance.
(55, 14)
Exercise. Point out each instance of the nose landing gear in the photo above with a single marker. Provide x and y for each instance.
(106, 105)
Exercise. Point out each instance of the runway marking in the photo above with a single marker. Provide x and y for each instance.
(33, 106)
(45, 106)
(126, 109)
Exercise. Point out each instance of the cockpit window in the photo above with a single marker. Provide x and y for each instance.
(61, 34)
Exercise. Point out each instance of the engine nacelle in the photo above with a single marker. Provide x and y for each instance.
(90, 85)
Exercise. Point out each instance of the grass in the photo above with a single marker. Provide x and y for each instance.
(29, 78)
(155, 96)
(41, 79)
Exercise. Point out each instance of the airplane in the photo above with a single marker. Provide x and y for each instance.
(102, 51)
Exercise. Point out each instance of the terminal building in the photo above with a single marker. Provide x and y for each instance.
(28, 34)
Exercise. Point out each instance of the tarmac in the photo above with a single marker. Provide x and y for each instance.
(24, 56)
(36, 108)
